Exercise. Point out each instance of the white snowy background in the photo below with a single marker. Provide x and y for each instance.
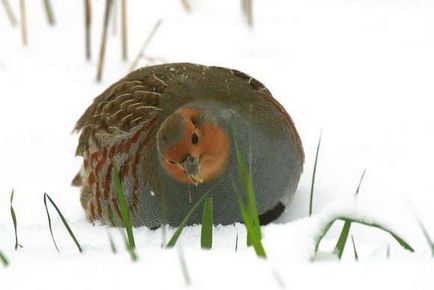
(360, 70)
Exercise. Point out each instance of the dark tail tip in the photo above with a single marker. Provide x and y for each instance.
(272, 214)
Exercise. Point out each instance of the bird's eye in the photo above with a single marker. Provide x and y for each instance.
(194, 139)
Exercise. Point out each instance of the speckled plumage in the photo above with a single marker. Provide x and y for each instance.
(120, 128)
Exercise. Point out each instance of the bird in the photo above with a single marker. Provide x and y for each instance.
(175, 132)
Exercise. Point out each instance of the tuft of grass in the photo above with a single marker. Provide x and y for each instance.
(174, 239)
(65, 223)
(326, 228)
(356, 256)
(207, 222)
(123, 208)
(343, 237)
(14, 220)
(184, 268)
(314, 174)
(49, 12)
(3, 259)
(108, 6)
(9, 12)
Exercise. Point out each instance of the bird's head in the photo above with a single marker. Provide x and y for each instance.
(193, 142)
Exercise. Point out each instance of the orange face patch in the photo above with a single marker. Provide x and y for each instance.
(212, 149)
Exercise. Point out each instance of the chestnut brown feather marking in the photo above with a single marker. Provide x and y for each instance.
(107, 182)
(138, 153)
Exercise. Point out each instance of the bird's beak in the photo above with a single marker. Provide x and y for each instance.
(192, 168)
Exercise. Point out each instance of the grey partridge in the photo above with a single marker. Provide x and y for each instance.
(171, 131)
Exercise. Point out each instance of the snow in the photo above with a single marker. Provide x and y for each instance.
(359, 70)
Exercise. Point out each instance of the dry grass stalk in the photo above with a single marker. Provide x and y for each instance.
(247, 7)
(124, 30)
(88, 22)
(9, 12)
(49, 12)
(23, 20)
(145, 44)
(108, 6)
(243, 7)
(186, 5)
(115, 18)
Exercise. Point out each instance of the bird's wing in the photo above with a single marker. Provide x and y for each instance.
(119, 112)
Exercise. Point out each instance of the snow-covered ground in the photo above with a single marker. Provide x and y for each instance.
(361, 71)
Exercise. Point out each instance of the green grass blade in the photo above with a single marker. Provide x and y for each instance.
(250, 214)
(248, 187)
(254, 238)
(400, 240)
(312, 187)
(340, 245)
(253, 211)
(207, 221)
(343, 237)
(426, 236)
(174, 239)
(251, 196)
(49, 222)
(247, 182)
(65, 223)
(133, 254)
(360, 182)
(131, 251)
(356, 256)
(14, 220)
(112, 243)
(184, 268)
(3, 259)
(123, 208)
